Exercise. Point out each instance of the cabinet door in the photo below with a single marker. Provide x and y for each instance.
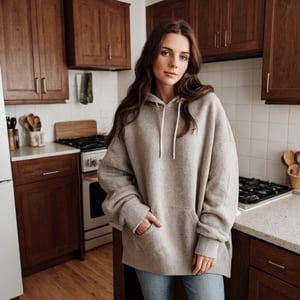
(242, 25)
(86, 33)
(19, 53)
(53, 73)
(48, 220)
(230, 28)
(208, 23)
(281, 61)
(174, 9)
(263, 286)
(32, 54)
(118, 35)
(98, 34)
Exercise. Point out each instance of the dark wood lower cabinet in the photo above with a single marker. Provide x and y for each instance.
(263, 286)
(47, 195)
(236, 287)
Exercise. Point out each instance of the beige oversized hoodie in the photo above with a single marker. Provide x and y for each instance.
(190, 184)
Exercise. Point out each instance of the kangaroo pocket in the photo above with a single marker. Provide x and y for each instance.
(169, 246)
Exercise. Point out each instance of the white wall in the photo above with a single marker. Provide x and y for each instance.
(262, 131)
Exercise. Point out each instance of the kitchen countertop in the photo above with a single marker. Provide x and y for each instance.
(49, 149)
(277, 222)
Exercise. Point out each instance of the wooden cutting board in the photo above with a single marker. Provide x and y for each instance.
(75, 129)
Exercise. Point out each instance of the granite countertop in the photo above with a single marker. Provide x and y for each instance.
(49, 149)
(277, 222)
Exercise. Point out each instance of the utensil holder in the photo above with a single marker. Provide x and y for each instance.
(36, 138)
(11, 139)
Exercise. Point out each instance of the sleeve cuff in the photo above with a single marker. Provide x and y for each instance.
(207, 247)
(134, 212)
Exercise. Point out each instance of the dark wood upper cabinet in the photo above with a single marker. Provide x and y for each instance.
(226, 29)
(32, 51)
(230, 29)
(281, 60)
(174, 9)
(98, 34)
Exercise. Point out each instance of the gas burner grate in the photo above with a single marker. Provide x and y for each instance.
(252, 190)
(87, 143)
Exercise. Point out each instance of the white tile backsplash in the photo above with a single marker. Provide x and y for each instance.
(102, 109)
(263, 132)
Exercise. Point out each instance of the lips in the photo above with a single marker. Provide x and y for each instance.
(172, 74)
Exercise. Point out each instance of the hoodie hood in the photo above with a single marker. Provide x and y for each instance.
(161, 105)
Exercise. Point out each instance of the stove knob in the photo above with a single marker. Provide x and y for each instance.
(94, 163)
(88, 162)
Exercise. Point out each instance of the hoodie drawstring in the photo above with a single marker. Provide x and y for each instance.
(175, 131)
(162, 132)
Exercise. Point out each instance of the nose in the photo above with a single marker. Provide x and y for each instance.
(173, 62)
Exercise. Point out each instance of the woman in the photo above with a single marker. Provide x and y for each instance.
(171, 172)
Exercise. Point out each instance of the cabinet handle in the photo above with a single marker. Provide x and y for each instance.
(276, 264)
(36, 80)
(109, 52)
(44, 85)
(268, 82)
(50, 173)
(225, 38)
(215, 40)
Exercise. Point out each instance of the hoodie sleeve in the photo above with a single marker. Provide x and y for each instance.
(221, 192)
(123, 204)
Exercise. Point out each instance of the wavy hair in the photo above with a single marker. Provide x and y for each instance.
(188, 87)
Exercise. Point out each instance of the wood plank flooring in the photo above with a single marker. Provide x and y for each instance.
(90, 279)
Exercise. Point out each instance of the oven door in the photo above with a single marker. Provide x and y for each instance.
(92, 196)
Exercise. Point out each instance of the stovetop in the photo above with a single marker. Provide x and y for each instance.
(88, 143)
(253, 191)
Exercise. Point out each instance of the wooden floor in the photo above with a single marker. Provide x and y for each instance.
(90, 279)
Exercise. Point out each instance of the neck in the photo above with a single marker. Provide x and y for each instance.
(165, 94)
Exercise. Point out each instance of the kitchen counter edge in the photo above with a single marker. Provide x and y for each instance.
(276, 222)
(49, 149)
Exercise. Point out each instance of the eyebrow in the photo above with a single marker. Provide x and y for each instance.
(183, 52)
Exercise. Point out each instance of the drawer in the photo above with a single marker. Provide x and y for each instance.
(33, 170)
(276, 261)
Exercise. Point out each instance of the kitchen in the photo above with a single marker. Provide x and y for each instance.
(262, 131)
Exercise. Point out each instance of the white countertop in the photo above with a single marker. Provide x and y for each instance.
(50, 149)
(277, 222)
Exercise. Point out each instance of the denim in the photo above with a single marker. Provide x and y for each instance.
(202, 287)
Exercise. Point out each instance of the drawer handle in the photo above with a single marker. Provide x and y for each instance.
(276, 264)
(50, 173)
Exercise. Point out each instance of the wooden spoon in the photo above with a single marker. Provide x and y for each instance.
(37, 123)
(30, 120)
(297, 157)
(288, 158)
(27, 126)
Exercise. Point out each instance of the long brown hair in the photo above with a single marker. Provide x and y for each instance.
(188, 87)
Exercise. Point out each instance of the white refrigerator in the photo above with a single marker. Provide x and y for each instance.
(10, 268)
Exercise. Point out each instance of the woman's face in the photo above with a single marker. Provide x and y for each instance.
(172, 60)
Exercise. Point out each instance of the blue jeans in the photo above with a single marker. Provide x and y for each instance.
(202, 287)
